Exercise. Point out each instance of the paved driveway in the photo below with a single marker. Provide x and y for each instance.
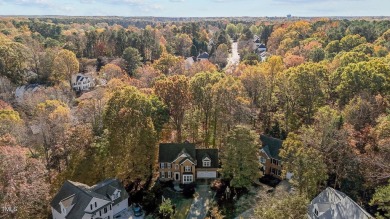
(234, 58)
(201, 203)
(127, 214)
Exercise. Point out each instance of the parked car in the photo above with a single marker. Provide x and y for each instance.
(137, 209)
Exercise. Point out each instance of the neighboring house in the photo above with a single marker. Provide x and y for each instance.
(203, 56)
(183, 163)
(82, 82)
(270, 161)
(334, 204)
(264, 56)
(76, 200)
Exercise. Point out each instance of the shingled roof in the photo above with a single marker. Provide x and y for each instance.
(210, 153)
(333, 204)
(168, 152)
(108, 187)
(80, 195)
(271, 146)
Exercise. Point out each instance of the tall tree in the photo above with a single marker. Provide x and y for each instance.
(175, 93)
(306, 164)
(131, 119)
(133, 60)
(239, 157)
(64, 66)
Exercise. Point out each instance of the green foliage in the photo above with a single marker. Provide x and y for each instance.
(306, 164)
(381, 199)
(351, 41)
(64, 66)
(129, 119)
(371, 76)
(241, 143)
(166, 209)
(132, 58)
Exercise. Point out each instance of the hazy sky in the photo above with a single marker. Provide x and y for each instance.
(197, 8)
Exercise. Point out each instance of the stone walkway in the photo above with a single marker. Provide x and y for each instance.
(201, 203)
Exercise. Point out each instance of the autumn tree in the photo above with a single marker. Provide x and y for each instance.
(52, 118)
(111, 71)
(175, 93)
(282, 205)
(221, 55)
(132, 120)
(201, 91)
(13, 60)
(64, 66)
(169, 64)
(306, 164)
(23, 183)
(241, 142)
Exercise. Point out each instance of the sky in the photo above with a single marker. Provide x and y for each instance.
(197, 8)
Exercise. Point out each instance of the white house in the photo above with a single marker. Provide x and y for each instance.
(76, 200)
(82, 82)
(331, 203)
(202, 57)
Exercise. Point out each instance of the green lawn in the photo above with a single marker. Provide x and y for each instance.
(182, 204)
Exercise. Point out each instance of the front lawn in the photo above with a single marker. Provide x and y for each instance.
(182, 204)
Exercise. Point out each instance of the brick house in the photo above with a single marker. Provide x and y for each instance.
(183, 163)
(270, 162)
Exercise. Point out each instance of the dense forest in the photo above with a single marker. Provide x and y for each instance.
(324, 89)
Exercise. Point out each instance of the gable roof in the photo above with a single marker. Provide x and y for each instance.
(80, 195)
(271, 146)
(210, 153)
(332, 203)
(108, 187)
(168, 152)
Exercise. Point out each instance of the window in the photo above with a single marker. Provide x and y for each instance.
(187, 169)
(187, 178)
(95, 205)
(176, 166)
(169, 174)
(162, 175)
(105, 210)
(275, 171)
(169, 165)
(316, 212)
(263, 160)
(100, 213)
(206, 163)
(162, 165)
(276, 162)
(91, 206)
(110, 207)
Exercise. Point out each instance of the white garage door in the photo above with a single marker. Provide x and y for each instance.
(207, 174)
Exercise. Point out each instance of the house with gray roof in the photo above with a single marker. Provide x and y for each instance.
(270, 161)
(203, 56)
(76, 200)
(183, 163)
(82, 82)
(333, 204)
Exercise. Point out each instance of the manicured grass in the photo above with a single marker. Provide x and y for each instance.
(182, 204)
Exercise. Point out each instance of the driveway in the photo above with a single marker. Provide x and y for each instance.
(201, 202)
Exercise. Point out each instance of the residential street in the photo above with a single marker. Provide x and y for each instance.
(234, 58)
(201, 203)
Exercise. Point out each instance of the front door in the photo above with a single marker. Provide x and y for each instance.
(177, 176)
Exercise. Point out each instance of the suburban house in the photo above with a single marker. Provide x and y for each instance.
(270, 161)
(76, 200)
(82, 82)
(183, 163)
(203, 56)
(331, 203)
